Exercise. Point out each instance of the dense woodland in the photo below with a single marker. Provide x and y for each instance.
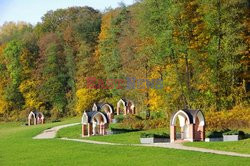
(200, 49)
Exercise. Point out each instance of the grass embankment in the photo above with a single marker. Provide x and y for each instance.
(242, 146)
(124, 138)
(18, 148)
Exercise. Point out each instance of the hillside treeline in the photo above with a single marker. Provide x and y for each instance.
(199, 49)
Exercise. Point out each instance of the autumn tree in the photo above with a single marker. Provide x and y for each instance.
(3, 83)
(225, 49)
(10, 31)
(12, 53)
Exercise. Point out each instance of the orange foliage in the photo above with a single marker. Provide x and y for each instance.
(106, 23)
(238, 117)
(135, 122)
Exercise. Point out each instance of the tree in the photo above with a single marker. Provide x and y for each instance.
(12, 54)
(52, 75)
(225, 49)
(10, 31)
(3, 83)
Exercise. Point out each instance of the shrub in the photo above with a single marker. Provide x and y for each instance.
(238, 117)
(119, 118)
(55, 120)
(214, 134)
(247, 135)
(132, 122)
(235, 132)
(123, 130)
(154, 135)
(231, 132)
(136, 122)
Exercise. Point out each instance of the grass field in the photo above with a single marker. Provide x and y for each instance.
(125, 138)
(242, 146)
(18, 148)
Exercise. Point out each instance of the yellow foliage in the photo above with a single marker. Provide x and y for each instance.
(155, 73)
(106, 23)
(238, 117)
(3, 105)
(28, 89)
(155, 100)
(3, 82)
(1, 49)
(85, 99)
(25, 56)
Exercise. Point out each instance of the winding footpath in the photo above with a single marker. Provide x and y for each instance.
(51, 133)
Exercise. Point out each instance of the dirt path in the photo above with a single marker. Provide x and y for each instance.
(91, 142)
(51, 133)
(204, 150)
(165, 145)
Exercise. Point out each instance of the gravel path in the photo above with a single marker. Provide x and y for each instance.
(204, 150)
(51, 133)
(91, 142)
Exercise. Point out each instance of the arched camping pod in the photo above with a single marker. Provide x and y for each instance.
(192, 124)
(130, 107)
(121, 107)
(94, 123)
(109, 110)
(35, 118)
(40, 118)
(125, 106)
(105, 108)
(31, 118)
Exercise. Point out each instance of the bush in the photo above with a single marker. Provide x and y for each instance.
(238, 117)
(132, 122)
(154, 135)
(214, 134)
(241, 134)
(123, 130)
(55, 120)
(234, 132)
(119, 118)
(136, 122)
(247, 135)
(219, 134)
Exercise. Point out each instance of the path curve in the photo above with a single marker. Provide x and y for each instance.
(178, 146)
(204, 150)
(51, 133)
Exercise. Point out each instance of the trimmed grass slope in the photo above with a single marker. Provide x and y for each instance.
(18, 148)
(242, 146)
(124, 138)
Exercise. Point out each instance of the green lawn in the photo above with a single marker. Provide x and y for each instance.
(125, 138)
(242, 146)
(18, 148)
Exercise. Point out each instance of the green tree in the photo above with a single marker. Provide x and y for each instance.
(12, 54)
(53, 78)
